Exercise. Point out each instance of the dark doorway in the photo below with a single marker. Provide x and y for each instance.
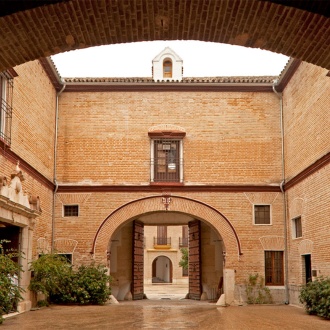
(308, 268)
(10, 235)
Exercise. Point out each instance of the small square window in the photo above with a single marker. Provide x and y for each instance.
(71, 210)
(262, 214)
(296, 227)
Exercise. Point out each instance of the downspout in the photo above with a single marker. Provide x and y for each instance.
(286, 263)
(55, 169)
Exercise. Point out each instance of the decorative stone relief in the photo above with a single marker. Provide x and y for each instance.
(13, 191)
(35, 202)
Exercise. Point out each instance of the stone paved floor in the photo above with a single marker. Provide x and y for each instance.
(166, 291)
(165, 315)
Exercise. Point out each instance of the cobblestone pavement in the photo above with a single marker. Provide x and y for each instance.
(165, 315)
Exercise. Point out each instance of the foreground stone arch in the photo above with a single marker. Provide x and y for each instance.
(179, 204)
(43, 28)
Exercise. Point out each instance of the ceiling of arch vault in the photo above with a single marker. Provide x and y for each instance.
(35, 29)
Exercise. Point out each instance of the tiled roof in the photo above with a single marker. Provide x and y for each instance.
(187, 80)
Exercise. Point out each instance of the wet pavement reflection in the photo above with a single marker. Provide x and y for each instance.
(165, 315)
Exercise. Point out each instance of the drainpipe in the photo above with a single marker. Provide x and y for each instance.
(55, 169)
(286, 263)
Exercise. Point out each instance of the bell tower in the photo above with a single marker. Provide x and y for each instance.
(167, 66)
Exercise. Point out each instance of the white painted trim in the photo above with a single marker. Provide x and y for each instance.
(270, 215)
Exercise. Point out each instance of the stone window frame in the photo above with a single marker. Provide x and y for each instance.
(296, 223)
(254, 214)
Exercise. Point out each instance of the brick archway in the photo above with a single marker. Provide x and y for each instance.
(179, 204)
(297, 29)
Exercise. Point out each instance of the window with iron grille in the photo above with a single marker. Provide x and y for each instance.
(70, 210)
(6, 92)
(297, 227)
(262, 214)
(166, 160)
(274, 270)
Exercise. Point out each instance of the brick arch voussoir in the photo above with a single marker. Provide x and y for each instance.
(52, 29)
(195, 208)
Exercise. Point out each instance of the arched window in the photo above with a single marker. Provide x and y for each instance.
(167, 68)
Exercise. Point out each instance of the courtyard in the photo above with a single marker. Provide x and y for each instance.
(166, 314)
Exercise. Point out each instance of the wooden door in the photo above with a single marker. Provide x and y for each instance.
(161, 235)
(195, 270)
(137, 276)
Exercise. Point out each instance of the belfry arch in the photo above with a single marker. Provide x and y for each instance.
(40, 29)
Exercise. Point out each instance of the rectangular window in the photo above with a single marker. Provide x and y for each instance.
(274, 270)
(296, 227)
(71, 210)
(166, 160)
(6, 86)
(262, 214)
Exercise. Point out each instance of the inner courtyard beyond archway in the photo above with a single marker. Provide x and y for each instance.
(156, 274)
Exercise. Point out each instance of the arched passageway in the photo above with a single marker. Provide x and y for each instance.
(211, 237)
(297, 29)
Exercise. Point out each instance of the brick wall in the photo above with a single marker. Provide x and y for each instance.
(33, 128)
(231, 137)
(33, 131)
(307, 136)
(306, 118)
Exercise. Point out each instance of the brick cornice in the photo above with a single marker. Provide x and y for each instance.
(51, 72)
(167, 187)
(207, 84)
(287, 74)
(166, 87)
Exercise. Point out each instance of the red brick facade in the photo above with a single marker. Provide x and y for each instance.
(232, 160)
